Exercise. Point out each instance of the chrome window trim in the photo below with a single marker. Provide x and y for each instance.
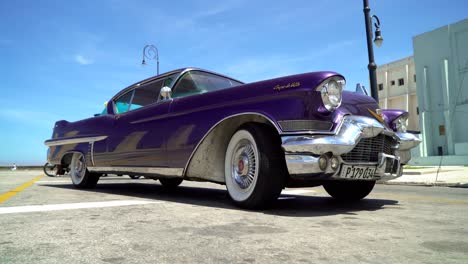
(53, 142)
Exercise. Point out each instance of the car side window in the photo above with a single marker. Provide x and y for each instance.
(196, 82)
(142, 95)
(122, 104)
(146, 94)
(186, 86)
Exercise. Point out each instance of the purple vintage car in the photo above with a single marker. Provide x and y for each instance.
(256, 138)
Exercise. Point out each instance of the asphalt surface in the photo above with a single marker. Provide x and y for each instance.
(138, 221)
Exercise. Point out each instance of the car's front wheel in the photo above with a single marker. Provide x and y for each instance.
(349, 191)
(170, 183)
(254, 167)
(81, 177)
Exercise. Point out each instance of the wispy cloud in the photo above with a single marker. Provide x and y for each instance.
(255, 68)
(83, 60)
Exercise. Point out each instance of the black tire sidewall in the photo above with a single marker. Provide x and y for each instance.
(349, 190)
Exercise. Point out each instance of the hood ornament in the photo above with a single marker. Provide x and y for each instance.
(377, 115)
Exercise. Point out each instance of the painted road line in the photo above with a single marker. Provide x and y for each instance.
(70, 206)
(39, 182)
(14, 192)
(296, 192)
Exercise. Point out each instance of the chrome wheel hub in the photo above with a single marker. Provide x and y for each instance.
(244, 164)
(78, 168)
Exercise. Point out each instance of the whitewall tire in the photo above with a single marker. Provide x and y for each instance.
(81, 177)
(254, 167)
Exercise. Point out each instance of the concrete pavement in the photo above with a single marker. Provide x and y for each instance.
(138, 221)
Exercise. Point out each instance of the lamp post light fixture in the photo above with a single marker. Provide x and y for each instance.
(151, 52)
(370, 49)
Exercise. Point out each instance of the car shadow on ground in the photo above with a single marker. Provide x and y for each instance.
(287, 205)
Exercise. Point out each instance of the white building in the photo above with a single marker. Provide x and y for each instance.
(396, 83)
(441, 62)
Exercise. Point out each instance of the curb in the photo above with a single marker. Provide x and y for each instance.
(428, 184)
(408, 172)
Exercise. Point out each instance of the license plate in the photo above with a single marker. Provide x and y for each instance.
(357, 172)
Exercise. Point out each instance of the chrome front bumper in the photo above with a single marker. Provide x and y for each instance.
(304, 151)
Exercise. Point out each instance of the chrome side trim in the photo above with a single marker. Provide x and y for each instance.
(176, 172)
(305, 125)
(219, 122)
(92, 152)
(57, 142)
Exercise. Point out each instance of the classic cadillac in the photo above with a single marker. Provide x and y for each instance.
(256, 138)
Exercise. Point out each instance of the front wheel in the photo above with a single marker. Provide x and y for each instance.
(50, 169)
(170, 183)
(254, 167)
(81, 177)
(349, 191)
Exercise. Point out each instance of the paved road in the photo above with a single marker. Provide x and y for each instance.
(137, 221)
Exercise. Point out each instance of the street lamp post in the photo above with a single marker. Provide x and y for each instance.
(151, 52)
(370, 49)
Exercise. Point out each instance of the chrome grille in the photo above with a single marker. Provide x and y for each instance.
(368, 149)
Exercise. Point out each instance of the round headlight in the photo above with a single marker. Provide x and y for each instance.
(331, 93)
(400, 123)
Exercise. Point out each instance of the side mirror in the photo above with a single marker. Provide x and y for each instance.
(361, 89)
(166, 93)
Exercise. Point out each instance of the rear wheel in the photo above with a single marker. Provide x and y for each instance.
(170, 183)
(349, 190)
(81, 177)
(254, 167)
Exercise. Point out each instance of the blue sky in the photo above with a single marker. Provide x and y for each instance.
(63, 59)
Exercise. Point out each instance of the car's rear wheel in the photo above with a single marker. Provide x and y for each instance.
(349, 191)
(170, 183)
(81, 177)
(254, 167)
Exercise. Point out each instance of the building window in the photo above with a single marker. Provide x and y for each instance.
(414, 77)
(392, 83)
(380, 86)
(401, 82)
(442, 130)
